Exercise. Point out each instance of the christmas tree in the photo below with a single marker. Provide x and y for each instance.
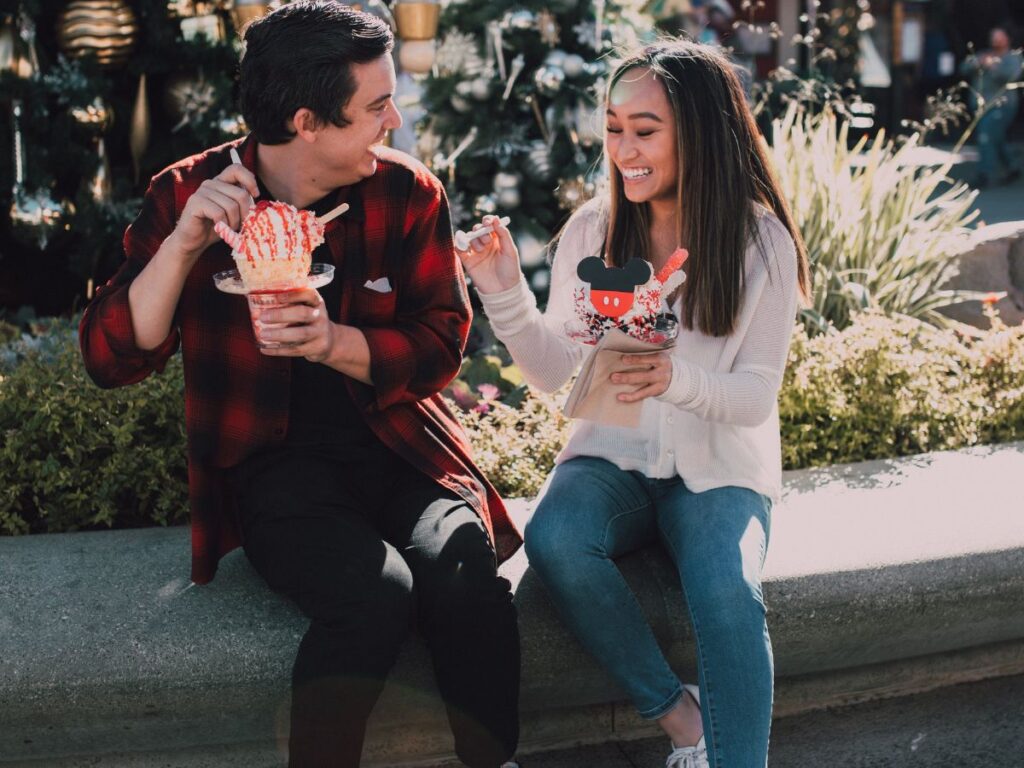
(98, 96)
(512, 124)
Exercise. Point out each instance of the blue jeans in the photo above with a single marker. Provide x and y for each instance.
(993, 153)
(593, 512)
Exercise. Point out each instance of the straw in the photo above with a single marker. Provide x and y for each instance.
(227, 234)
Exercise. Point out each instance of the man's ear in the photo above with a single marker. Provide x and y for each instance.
(305, 124)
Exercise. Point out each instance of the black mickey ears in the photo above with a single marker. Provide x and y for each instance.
(622, 279)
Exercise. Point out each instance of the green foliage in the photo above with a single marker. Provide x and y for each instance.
(75, 457)
(895, 387)
(516, 447)
(882, 231)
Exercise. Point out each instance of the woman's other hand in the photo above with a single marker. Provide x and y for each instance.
(650, 374)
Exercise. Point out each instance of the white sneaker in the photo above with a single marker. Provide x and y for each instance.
(689, 757)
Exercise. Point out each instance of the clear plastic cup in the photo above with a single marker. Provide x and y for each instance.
(268, 298)
(271, 297)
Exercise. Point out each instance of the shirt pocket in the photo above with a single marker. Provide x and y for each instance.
(372, 308)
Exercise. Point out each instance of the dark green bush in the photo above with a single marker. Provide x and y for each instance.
(75, 457)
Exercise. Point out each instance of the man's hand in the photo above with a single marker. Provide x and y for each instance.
(652, 378)
(226, 197)
(303, 326)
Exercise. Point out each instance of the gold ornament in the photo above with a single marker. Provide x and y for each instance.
(416, 20)
(17, 47)
(548, 27)
(572, 193)
(138, 136)
(242, 14)
(105, 29)
(97, 117)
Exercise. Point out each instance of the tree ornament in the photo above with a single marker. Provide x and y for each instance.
(518, 64)
(18, 47)
(457, 56)
(104, 29)
(209, 26)
(485, 205)
(532, 249)
(97, 117)
(548, 79)
(416, 56)
(572, 193)
(548, 27)
(188, 98)
(244, 12)
(506, 189)
(34, 216)
(508, 198)
(522, 19)
(504, 180)
(538, 161)
(573, 65)
(232, 125)
(555, 58)
(496, 47)
(480, 88)
(138, 135)
(416, 20)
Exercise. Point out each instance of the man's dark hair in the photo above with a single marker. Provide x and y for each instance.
(300, 56)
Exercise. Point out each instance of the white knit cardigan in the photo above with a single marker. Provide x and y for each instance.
(718, 423)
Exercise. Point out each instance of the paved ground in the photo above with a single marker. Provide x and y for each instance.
(997, 203)
(979, 725)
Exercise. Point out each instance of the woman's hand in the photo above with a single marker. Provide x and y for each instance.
(492, 261)
(652, 378)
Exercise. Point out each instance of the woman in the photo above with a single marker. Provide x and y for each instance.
(701, 471)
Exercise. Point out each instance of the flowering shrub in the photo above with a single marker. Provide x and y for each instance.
(516, 446)
(889, 387)
(74, 457)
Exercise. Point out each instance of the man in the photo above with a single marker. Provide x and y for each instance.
(991, 72)
(332, 460)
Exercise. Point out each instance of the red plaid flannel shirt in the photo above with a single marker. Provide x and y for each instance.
(236, 399)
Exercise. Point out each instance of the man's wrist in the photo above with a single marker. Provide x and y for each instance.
(177, 250)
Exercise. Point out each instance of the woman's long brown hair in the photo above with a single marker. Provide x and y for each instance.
(723, 166)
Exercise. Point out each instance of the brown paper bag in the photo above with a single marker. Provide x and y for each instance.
(593, 396)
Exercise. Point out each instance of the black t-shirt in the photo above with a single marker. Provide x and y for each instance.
(322, 416)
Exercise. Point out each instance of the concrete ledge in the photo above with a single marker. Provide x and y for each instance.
(883, 578)
(992, 261)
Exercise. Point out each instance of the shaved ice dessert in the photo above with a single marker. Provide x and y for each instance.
(275, 245)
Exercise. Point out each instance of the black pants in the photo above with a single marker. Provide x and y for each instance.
(370, 550)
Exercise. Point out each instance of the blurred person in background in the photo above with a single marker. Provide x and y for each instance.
(991, 72)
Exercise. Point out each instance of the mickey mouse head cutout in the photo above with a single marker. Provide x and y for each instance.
(612, 289)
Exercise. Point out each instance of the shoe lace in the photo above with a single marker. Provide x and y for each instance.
(688, 757)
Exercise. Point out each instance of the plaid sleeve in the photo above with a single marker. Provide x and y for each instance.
(421, 352)
(112, 357)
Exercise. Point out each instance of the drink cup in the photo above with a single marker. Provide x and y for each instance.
(269, 298)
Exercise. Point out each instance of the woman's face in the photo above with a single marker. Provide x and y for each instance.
(640, 138)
